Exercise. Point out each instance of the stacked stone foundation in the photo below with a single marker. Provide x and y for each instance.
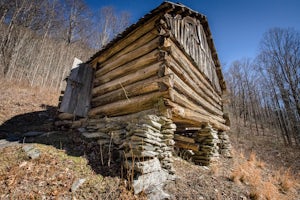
(202, 146)
(145, 145)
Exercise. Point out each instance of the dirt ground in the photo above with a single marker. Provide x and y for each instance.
(261, 167)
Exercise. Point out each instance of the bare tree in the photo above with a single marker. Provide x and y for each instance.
(108, 25)
(279, 60)
(40, 38)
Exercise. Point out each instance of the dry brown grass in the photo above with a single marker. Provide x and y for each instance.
(285, 180)
(19, 98)
(267, 190)
(52, 176)
(263, 184)
(215, 169)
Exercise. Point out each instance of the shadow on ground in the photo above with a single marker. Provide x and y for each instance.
(38, 127)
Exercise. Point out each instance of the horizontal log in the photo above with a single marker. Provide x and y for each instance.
(128, 79)
(128, 106)
(140, 42)
(193, 83)
(183, 138)
(133, 65)
(187, 145)
(185, 102)
(190, 117)
(133, 117)
(141, 87)
(66, 116)
(181, 86)
(130, 38)
(127, 57)
(191, 69)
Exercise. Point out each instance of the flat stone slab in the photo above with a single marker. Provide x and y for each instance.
(33, 134)
(77, 184)
(5, 143)
(31, 151)
(147, 181)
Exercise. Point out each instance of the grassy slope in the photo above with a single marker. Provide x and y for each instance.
(271, 171)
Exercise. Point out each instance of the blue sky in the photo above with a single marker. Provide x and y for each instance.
(237, 26)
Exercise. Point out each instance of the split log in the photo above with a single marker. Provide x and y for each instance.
(128, 79)
(127, 68)
(185, 102)
(187, 145)
(194, 83)
(141, 41)
(187, 64)
(185, 115)
(130, 38)
(190, 93)
(183, 138)
(125, 58)
(149, 85)
(124, 119)
(129, 106)
(66, 116)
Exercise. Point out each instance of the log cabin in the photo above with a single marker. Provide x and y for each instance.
(156, 88)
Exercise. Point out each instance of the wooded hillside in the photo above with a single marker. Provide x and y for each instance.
(265, 92)
(40, 38)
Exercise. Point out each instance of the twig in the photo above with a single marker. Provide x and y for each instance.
(101, 154)
(125, 92)
(109, 153)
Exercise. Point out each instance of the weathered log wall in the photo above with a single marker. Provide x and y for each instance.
(129, 77)
(190, 34)
(168, 57)
(194, 99)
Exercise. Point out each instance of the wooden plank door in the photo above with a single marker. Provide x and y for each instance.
(77, 97)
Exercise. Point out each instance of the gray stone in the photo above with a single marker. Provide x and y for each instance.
(103, 141)
(31, 151)
(169, 126)
(139, 146)
(168, 148)
(168, 132)
(6, 143)
(156, 193)
(33, 133)
(95, 135)
(145, 167)
(145, 140)
(169, 142)
(64, 116)
(147, 130)
(146, 181)
(165, 119)
(149, 136)
(77, 184)
(152, 123)
(81, 130)
(27, 148)
(141, 154)
(151, 117)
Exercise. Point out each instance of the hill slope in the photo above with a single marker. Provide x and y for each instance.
(68, 167)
